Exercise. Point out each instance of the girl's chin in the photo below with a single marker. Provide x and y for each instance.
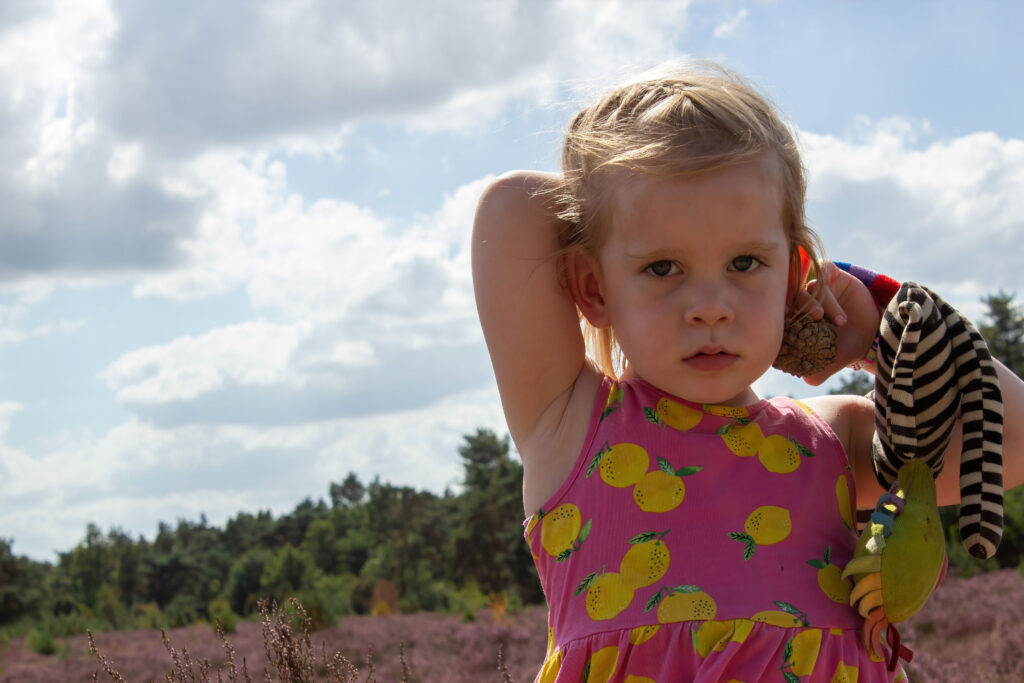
(711, 395)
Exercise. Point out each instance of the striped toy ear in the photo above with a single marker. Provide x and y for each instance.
(932, 365)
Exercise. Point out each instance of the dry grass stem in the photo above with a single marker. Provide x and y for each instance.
(108, 666)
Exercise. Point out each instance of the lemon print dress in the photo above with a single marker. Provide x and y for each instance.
(701, 543)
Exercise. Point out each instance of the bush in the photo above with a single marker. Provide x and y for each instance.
(288, 572)
(40, 641)
(362, 589)
(71, 624)
(181, 611)
(244, 582)
(220, 609)
(148, 615)
(109, 607)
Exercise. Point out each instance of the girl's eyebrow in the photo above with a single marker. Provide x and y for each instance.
(754, 246)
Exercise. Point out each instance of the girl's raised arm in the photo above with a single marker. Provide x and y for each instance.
(529, 319)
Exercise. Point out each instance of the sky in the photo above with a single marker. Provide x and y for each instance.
(234, 236)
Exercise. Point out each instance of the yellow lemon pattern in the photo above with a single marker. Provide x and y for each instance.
(844, 673)
(561, 532)
(735, 412)
(766, 525)
(844, 500)
(550, 669)
(646, 561)
(663, 489)
(713, 636)
(664, 546)
(606, 595)
(743, 439)
(780, 454)
(787, 616)
(801, 653)
(614, 400)
(601, 666)
(830, 578)
(682, 603)
(620, 465)
(641, 634)
(674, 414)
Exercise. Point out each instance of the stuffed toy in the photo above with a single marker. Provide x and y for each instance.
(932, 364)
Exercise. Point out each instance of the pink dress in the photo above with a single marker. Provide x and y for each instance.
(701, 543)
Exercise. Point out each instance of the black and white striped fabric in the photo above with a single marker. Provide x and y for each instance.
(932, 363)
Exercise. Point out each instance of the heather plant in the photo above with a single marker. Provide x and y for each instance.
(968, 630)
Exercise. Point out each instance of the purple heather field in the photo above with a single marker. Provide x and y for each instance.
(968, 631)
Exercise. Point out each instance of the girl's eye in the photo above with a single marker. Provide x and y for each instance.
(745, 264)
(661, 268)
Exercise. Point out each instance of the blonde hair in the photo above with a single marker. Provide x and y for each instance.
(688, 118)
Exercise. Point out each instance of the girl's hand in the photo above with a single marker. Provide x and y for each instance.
(850, 306)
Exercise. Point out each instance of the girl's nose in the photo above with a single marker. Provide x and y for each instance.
(708, 307)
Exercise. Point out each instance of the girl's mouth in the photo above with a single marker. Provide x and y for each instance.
(718, 360)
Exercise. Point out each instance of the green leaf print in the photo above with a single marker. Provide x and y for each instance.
(653, 601)
(643, 538)
(749, 546)
(576, 544)
(613, 403)
(595, 462)
(795, 611)
(652, 416)
(585, 583)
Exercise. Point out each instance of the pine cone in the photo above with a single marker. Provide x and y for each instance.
(808, 346)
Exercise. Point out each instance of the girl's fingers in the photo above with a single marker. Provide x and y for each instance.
(805, 303)
(827, 296)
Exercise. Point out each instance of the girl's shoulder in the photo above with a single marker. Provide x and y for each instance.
(852, 418)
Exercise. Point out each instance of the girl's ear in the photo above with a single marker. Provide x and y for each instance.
(584, 278)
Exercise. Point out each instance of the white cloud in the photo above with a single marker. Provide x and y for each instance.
(357, 304)
(252, 353)
(137, 475)
(949, 214)
(729, 26)
(108, 108)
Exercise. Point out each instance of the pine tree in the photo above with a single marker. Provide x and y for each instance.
(1005, 331)
(856, 382)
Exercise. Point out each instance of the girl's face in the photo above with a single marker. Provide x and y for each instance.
(693, 277)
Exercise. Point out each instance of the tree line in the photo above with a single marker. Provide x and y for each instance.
(371, 547)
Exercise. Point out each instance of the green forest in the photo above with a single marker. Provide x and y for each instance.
(369, 548)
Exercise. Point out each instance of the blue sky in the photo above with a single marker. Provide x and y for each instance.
(233, 244)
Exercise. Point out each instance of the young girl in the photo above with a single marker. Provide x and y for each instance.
(683, 529)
